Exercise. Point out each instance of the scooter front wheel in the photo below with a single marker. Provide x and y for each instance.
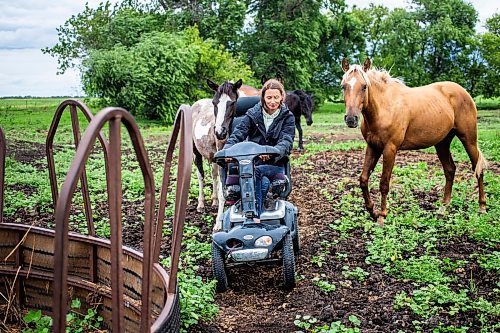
(288, 262)
(219, 269)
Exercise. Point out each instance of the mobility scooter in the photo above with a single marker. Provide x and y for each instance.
(242, 241)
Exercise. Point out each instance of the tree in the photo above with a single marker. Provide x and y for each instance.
(282, 39)
(220, 20)
(158, 73)
(341, 37)
(101, 29)
(489, 45)
(432, 40)
(374, 30)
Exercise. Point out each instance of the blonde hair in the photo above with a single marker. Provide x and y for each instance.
(272, 84)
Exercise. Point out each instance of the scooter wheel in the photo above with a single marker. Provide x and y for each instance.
(288, 263)
(218, 268)
(296, 243)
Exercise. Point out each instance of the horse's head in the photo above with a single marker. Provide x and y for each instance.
(306, 105)
(224, 102)
(355, 83)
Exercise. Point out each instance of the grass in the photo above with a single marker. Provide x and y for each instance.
(406, 248)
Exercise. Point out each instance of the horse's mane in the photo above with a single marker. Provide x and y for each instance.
(374, 74)
(225, 88)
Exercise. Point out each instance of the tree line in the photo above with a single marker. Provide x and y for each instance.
(150, 57)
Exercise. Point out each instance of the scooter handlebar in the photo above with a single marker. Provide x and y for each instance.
(246, 149)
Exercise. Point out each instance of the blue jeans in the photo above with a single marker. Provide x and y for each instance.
(262, 175)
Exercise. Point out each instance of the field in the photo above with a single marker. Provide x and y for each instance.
(421, 272)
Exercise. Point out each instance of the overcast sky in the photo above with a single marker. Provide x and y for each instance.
(26, 26)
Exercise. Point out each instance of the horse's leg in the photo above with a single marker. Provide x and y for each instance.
(299, 129)
(443, 152)
(220, 210)
(198, 160)
(478, 165)
(371, 158)
(389, 154)
(215, 185)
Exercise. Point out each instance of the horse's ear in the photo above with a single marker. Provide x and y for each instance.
(345, 65)
(214, 86)
(263, 79)
(238, 84)
(367, 65)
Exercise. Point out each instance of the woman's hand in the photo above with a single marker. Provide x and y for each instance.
(228, 159)
(265, 157)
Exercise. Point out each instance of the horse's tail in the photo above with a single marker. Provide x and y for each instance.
(481, 165)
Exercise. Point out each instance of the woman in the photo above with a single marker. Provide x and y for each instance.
(270, 123)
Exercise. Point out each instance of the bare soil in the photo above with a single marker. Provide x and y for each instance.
(256, 300)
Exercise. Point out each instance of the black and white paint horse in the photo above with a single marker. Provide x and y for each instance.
(212, 120)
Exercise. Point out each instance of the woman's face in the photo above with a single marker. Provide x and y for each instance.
(272, 98)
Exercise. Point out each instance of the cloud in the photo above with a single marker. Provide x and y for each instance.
(33, 23)
(28, 72)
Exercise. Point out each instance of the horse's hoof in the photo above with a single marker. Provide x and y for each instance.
(481, 210)
(217, 226)
(380, 221)
(442, 211)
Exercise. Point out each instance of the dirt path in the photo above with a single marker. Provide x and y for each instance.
(256, 300)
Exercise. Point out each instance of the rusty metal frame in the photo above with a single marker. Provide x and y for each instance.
(74, 106)
(152, 237)
(183, 130)
(115, 117)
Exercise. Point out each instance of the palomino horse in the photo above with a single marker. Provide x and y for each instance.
(298, 101)
(212, 120)
(396, 117)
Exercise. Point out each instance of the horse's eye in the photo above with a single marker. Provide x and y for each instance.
(364, 87)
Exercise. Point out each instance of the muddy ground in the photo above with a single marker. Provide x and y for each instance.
(256, 300)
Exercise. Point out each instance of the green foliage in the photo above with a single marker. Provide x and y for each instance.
(159, 73)
(299, 41)
(490, 262)
(76, 322)
(357, 273)
(323, 285)
(425, 269)
(307, 323)
(196, 297)
(101, 29)
(36, 323)
(490, 51)
(283, 40)
(220, 20)
(433, 299)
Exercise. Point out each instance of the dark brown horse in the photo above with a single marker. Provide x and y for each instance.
(396, 117)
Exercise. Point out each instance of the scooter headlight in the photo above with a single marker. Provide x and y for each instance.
(263, 241)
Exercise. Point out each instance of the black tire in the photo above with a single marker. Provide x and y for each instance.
(218, 269)
(296, 242)
(288, 263)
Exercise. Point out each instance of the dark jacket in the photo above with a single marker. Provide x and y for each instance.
(280, 134)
